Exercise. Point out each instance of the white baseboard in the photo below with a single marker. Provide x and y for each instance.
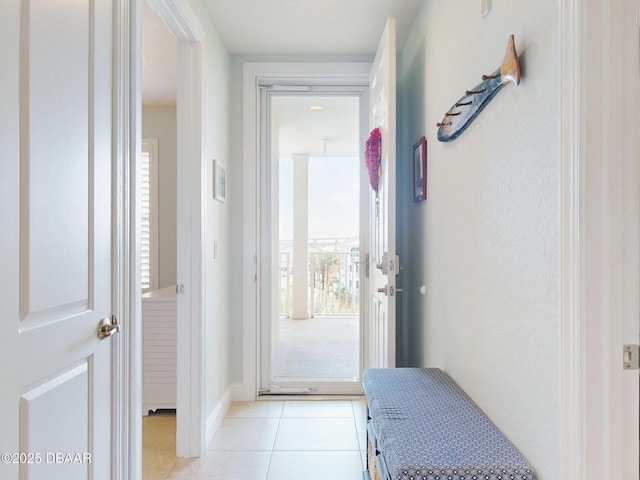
(217, 415)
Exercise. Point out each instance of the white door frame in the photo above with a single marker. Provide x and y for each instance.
(600, 239)
(190, 423)
(127, 397)
(253, 73)
(266, 224)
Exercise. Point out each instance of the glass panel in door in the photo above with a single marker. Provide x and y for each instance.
(315, 322)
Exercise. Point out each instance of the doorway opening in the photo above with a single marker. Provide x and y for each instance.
(311, 334)
(157, 192)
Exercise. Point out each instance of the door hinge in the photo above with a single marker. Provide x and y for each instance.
(631, 357)
(366, 265)
(364, 262)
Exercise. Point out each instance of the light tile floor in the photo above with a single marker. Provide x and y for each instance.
(266, 440)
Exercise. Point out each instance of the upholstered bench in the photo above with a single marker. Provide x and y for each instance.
(422, 426)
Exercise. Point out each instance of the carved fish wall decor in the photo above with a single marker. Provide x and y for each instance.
(465, 110)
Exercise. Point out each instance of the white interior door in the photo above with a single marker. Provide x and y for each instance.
(55, 280)
(382, 206)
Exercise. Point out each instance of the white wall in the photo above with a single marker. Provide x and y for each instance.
(217, 271)
(160, 122)
(235, 185)
(486, 241)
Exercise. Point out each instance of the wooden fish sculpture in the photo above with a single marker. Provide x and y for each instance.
(465, 110)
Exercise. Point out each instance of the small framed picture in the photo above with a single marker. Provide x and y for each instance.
(420, 170)
(219, 181)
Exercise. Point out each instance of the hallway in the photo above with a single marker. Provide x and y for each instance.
(266, 440)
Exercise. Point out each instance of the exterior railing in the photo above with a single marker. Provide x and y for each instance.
(334, 283)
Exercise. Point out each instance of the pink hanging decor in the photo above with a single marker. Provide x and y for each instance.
(373, 156)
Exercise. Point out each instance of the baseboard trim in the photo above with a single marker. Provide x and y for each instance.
(217, 415)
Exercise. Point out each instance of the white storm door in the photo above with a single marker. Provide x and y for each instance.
(55, 239)
(382, 206)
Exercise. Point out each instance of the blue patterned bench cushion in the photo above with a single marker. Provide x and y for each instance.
(427, 428)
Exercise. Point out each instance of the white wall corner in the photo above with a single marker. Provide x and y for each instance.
(217, 415)
(242, 392)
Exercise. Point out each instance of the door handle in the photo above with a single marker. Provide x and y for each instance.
(390, 291)
(108, 327)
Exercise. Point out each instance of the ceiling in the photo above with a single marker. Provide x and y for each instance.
(275, 27)
(159, 61)
(331, 131)
(309, 27)
(284, 27)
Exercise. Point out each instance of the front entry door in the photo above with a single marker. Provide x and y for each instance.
(55, 241)
(382, 206)
(311, 335)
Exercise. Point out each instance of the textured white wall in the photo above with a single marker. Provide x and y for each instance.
(160, 123)
(217, 264)
(486, 241)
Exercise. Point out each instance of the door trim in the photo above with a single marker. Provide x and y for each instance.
(600, 239)
(267, 92)
(183, 22)
(126, 367)
(570, 442)
(253, 73)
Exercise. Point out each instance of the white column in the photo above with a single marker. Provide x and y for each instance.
(300, 236)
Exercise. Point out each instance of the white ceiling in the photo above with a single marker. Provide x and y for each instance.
(159, 60)
(309, 27)
(285, 27)
(275, 27)
(332, 131)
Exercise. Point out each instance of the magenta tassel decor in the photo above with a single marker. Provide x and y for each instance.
(372, 156)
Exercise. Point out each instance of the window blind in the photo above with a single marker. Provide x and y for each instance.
(147, 188)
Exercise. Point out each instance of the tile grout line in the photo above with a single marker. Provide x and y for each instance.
(278, 430)
(266, 475)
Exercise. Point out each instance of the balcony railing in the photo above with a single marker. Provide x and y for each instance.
(334, 283)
